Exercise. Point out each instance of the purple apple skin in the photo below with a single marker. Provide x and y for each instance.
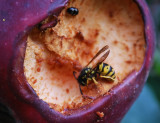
(16, 19)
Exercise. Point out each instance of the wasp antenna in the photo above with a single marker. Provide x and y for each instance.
(74, 74)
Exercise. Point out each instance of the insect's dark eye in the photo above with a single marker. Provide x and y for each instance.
(73, 11)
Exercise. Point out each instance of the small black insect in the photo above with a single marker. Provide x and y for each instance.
(73, 11)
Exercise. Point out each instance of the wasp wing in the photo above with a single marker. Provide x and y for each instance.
(105, 48)
(101, 59)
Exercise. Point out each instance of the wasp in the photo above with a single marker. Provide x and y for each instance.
(73, 11)
(99, 69)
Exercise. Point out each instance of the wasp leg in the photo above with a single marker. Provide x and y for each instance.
(85, 96)
(87, 82)
(107, 77)
(80, 90)
(94, 80)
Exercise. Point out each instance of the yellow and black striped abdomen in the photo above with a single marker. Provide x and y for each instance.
(106, 71)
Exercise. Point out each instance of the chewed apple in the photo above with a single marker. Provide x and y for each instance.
(53, 54)
(118, 33)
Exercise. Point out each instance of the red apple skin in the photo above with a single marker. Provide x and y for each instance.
(16, 19)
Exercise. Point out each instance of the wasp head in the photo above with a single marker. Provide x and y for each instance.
(84, 76)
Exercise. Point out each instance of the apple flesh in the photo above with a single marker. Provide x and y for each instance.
(23, 95)
(53, 54)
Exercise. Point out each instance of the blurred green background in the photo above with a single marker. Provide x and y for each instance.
(146, 109)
